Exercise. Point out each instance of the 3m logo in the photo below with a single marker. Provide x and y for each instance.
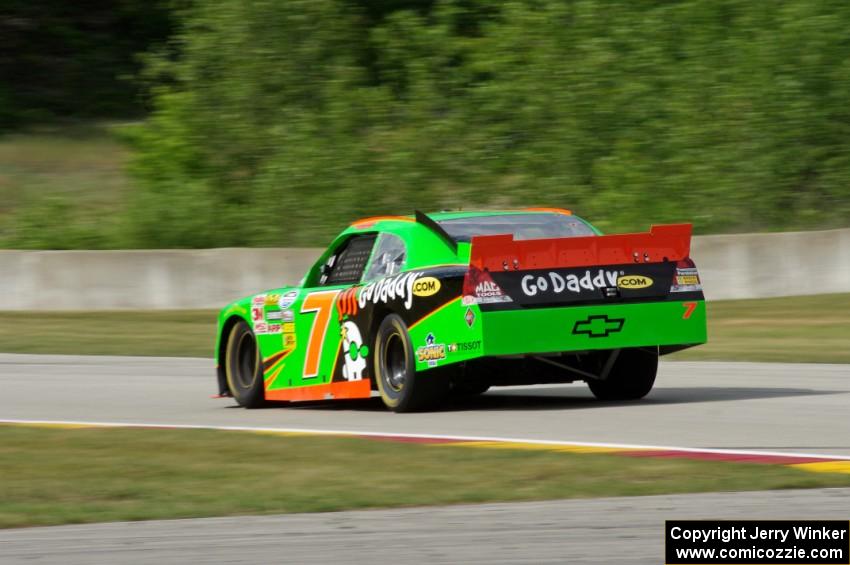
(426, 286)
(634, 281)
(598, 326)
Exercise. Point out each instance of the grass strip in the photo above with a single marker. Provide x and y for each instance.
(814, 329)
(166, 333)
(62, 476)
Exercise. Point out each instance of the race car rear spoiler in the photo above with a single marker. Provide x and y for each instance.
(496, 253)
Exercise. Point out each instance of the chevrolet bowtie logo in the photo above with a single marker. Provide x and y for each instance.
(598, 326)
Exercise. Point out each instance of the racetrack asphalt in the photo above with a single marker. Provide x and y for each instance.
(799, 408)
(604, 530)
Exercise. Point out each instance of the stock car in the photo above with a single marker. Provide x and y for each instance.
(419, 307)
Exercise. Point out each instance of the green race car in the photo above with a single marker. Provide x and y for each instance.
(416, 307)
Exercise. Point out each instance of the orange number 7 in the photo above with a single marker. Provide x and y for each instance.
(321, 303)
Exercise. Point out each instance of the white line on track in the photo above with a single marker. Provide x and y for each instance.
(352, 433)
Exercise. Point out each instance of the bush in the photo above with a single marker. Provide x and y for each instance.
(54, 222)
(277, 122)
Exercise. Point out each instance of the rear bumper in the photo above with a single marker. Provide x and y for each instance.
(582, 328)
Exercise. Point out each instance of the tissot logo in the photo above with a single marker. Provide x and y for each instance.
(598, 326)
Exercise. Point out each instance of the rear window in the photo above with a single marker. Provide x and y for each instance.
(522, 226)
(346, 265)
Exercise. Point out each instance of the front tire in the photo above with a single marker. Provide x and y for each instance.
(402, 388)
(243, 367)
(631, 377)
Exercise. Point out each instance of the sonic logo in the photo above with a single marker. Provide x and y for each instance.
(354, 353)
(431, 352)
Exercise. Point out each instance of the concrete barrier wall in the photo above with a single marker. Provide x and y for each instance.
(773, 264)
(106, 280)
(732, 266)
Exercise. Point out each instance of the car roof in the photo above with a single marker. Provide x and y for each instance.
(407, 227)
(365, 223)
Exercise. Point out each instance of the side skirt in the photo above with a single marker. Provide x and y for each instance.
(329, 391)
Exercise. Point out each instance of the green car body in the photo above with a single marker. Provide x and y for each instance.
(431, 304)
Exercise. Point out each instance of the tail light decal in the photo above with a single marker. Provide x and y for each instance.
(686, 278)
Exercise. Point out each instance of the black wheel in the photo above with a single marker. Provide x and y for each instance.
(631, 377)
(402, 388)
(243, 367)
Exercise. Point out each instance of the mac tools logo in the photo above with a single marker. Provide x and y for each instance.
(480, 288)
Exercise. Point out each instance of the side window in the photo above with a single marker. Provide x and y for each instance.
(388, 258)
(346, 265)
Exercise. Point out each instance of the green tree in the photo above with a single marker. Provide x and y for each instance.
(276, 122)
(75, 59)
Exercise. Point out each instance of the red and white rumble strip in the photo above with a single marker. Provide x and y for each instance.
(814, 462)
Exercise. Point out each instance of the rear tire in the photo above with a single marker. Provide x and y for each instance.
(631, 377)
(243, 367)
(402, 388)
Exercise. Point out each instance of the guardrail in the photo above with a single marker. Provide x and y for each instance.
(731, 266)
